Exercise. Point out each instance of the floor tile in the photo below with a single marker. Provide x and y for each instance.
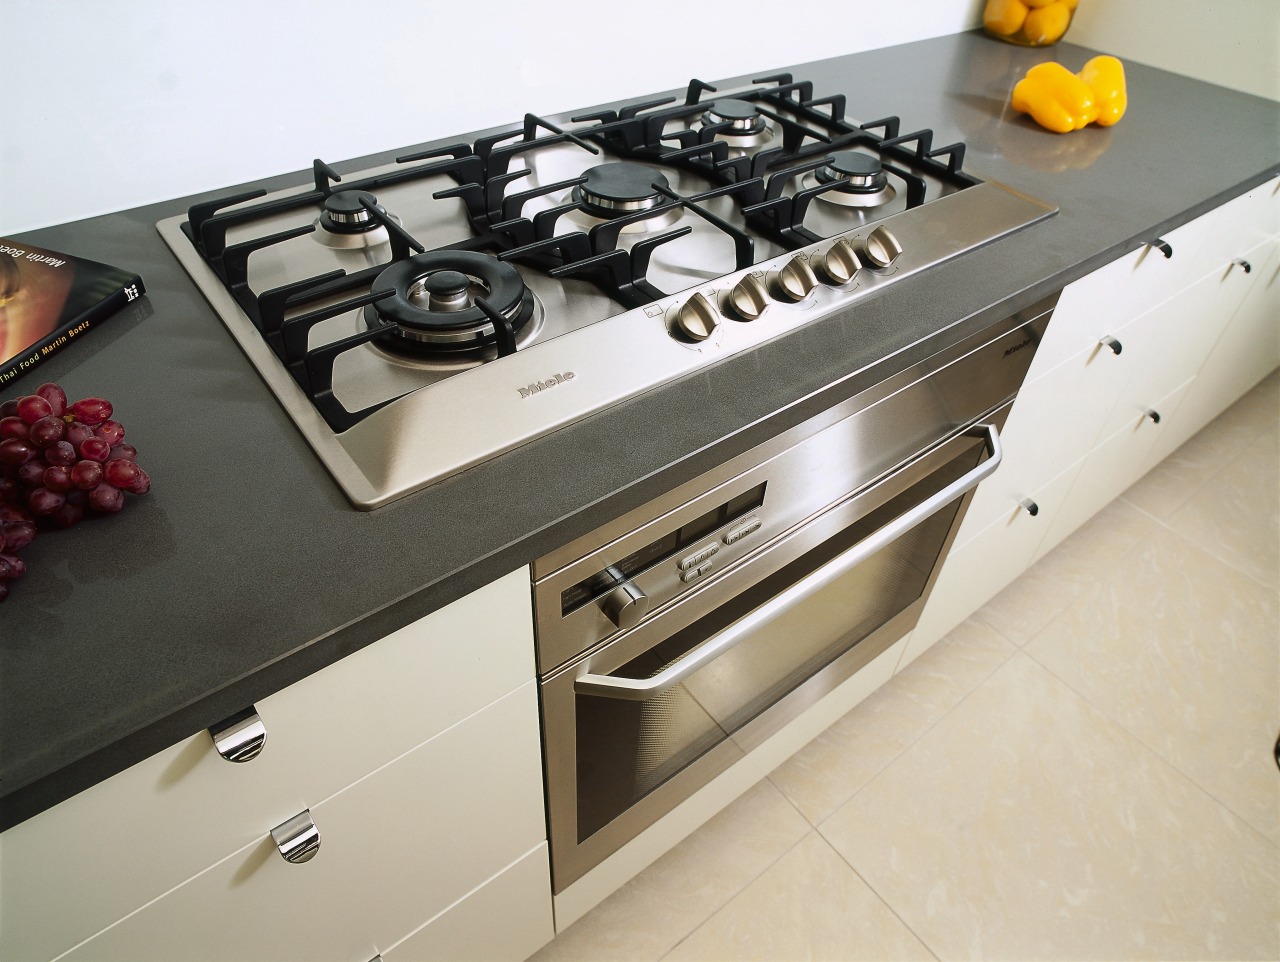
(646, 917)
(826, 772)
(1236, 516)
(1026, 825)
(1183, 651)
(808, 905)
(1052, 584)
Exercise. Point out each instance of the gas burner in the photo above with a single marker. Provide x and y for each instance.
(345, 223)
(434, 301)
(861, 179)
(623, 188)
(747, 126)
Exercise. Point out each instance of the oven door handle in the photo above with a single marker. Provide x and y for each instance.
(642, 689)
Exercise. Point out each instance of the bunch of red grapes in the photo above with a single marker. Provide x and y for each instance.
(57, 461)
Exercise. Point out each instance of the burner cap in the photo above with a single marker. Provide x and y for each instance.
(860, 180)
(742, 115)
(434, 299)
(859, 171)
(344, 212)
(612, 190)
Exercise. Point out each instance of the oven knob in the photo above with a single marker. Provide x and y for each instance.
(625, 605)
(749, 298)
(841, 262)
(797, 279)
(697, 318)
(882, 247)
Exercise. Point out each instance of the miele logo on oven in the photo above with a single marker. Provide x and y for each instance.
(550, 382)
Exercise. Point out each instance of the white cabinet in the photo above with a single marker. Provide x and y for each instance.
(332, 740)
(1138, 356)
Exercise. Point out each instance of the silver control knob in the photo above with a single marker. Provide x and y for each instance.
(882, 247)
(841, 262)
(625, 605)
(749, 298)
(697, 318)
(797, 279)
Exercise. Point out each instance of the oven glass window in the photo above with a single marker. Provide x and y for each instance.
(626, 749)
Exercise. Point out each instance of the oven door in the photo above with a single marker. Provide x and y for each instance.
(639, 724)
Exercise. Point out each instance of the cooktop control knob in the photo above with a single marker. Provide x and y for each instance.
(749, 298)
(697, 318)
(625, 605)
(797, 279)
(882, 247)
(841, 262)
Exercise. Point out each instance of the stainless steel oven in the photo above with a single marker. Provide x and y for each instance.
(676, 638)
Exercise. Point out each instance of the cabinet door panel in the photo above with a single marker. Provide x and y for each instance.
(397, 848)
(192, 807)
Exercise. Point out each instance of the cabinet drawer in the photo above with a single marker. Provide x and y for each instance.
(506, 920)
(397, 847)
(1054, 422)
(1113, 465)
(1243, 223)
(1100, 303)
(981, 567)
(178, 812)
(1167, 346)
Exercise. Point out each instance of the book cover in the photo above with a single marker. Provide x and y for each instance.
(48, 300)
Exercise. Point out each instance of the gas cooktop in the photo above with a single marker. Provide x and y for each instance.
(421, 317)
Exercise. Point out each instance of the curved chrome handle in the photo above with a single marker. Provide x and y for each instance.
(241, 737)
(1162, 246)
(1029, 506)
(642, 689)
(1153, 414)
(298, 839)
(1243, 264)
(1110, 342)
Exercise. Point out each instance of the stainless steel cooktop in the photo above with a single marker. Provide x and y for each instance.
(421, 317)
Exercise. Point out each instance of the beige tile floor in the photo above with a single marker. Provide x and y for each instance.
(1082, 770)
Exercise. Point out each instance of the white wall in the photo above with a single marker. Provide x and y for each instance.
(114, 103)
(1235, 43)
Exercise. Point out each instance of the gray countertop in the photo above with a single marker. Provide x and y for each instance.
(245, 568)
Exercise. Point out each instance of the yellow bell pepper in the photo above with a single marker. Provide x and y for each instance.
(1055, 98)
(1105, 77)
(1061, 101)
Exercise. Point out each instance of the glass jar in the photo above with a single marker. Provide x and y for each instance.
(1031, 23)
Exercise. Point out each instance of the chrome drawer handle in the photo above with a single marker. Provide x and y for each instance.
(643, 689)
(1153, 414)
(1111, 344)
(1162, 246)
(1243, 264)
(298, 839)
(241, 737)
(1029, 506)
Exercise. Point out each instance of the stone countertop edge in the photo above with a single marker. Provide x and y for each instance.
(245, 569)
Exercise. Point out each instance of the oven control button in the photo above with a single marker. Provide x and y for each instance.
(697, 318)
(841, 262)
(749, 298)
(882, 247)
(625, 605)
(699, 556)
(740, 531)
(797, 279)
(693, 574)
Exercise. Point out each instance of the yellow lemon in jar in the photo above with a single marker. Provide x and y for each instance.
(1047, 24)
(1004, 17)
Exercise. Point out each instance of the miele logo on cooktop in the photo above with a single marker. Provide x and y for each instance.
(1018, 347)
(550, 382)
